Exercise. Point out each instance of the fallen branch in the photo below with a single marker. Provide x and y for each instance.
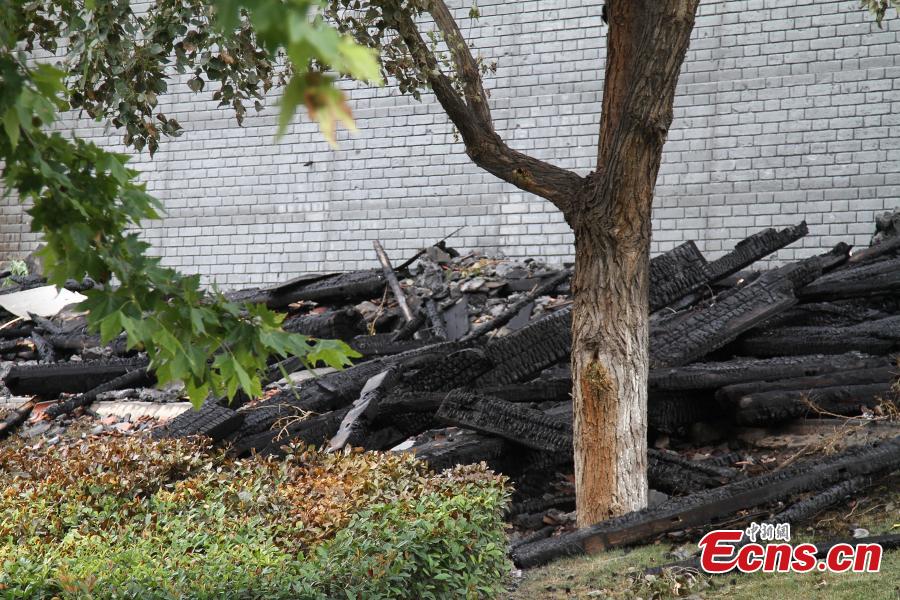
(392, 280)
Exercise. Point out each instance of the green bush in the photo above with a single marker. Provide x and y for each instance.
(135, 518)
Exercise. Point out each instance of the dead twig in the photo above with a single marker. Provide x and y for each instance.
(392, 280)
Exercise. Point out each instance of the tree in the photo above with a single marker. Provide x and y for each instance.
(608, 210)
(421, 47)
(86, 202)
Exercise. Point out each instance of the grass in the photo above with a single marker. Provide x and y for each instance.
(618, 574)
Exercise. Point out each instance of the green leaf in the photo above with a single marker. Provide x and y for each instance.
(251, 387)
(197, 321)
(197, 393)
(110, 327)
(11, 126)
(360, 62)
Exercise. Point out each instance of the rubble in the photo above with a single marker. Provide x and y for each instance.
(465, 359)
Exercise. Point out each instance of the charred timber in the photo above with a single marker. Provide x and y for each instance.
(324, 289)
(342, 324)
(384, 344)
(316, 430)
(543, 389)
(880, 277)
(355, 424)
(50, 380)
(514, 422)
(137, 377)
(703, 507)
(711, 376)
(446, 448)
(15, 418)
(687, 338)
(516, 307)
(683, 270)
(733, 393)
(212, 420)
(526, 352)
(783, 405)
(696, 334)
(793, 341)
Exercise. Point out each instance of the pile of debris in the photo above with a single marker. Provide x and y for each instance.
(465, 359)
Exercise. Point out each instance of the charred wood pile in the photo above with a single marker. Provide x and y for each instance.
(465, 359)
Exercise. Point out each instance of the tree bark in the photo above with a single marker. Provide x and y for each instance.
(610, 346)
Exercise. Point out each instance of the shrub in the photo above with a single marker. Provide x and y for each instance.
(131, 517)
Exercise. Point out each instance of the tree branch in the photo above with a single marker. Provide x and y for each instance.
(465, 64)
(473, 120)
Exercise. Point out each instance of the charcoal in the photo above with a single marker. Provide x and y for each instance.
(514, 422)
(675, 273)
(12, 333)
(793, 341)
(324, 289)
(883, 248)
(456, 319)
(50, 380)
(329, 392)
(683, 270)
(544, 389)
(829, 314)
(342, 324)
(15, 418)
(80, 343)
(343, 287)
(43, 347)
(695, 334)
(446, 448)
(443, 373)
(526, 352)
(384, 344)
(138, 376)
(711, 376)
(757, 246)
(675, 476)
(411, 327)
(435, 320)
(698, 333)
(15, 346)
(879, 277)
(706, 506)
(805, 510)
(781, 405)
(733, 393)
(515, 308)
(673, 412)
(563, 501)
(314, 431)
(212, 420)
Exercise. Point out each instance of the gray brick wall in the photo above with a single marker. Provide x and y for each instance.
(786, 109)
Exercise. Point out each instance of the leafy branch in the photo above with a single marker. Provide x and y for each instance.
(87, 203)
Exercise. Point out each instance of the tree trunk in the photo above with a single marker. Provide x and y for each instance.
(610, 213)
(610, 366)
(646, 46)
